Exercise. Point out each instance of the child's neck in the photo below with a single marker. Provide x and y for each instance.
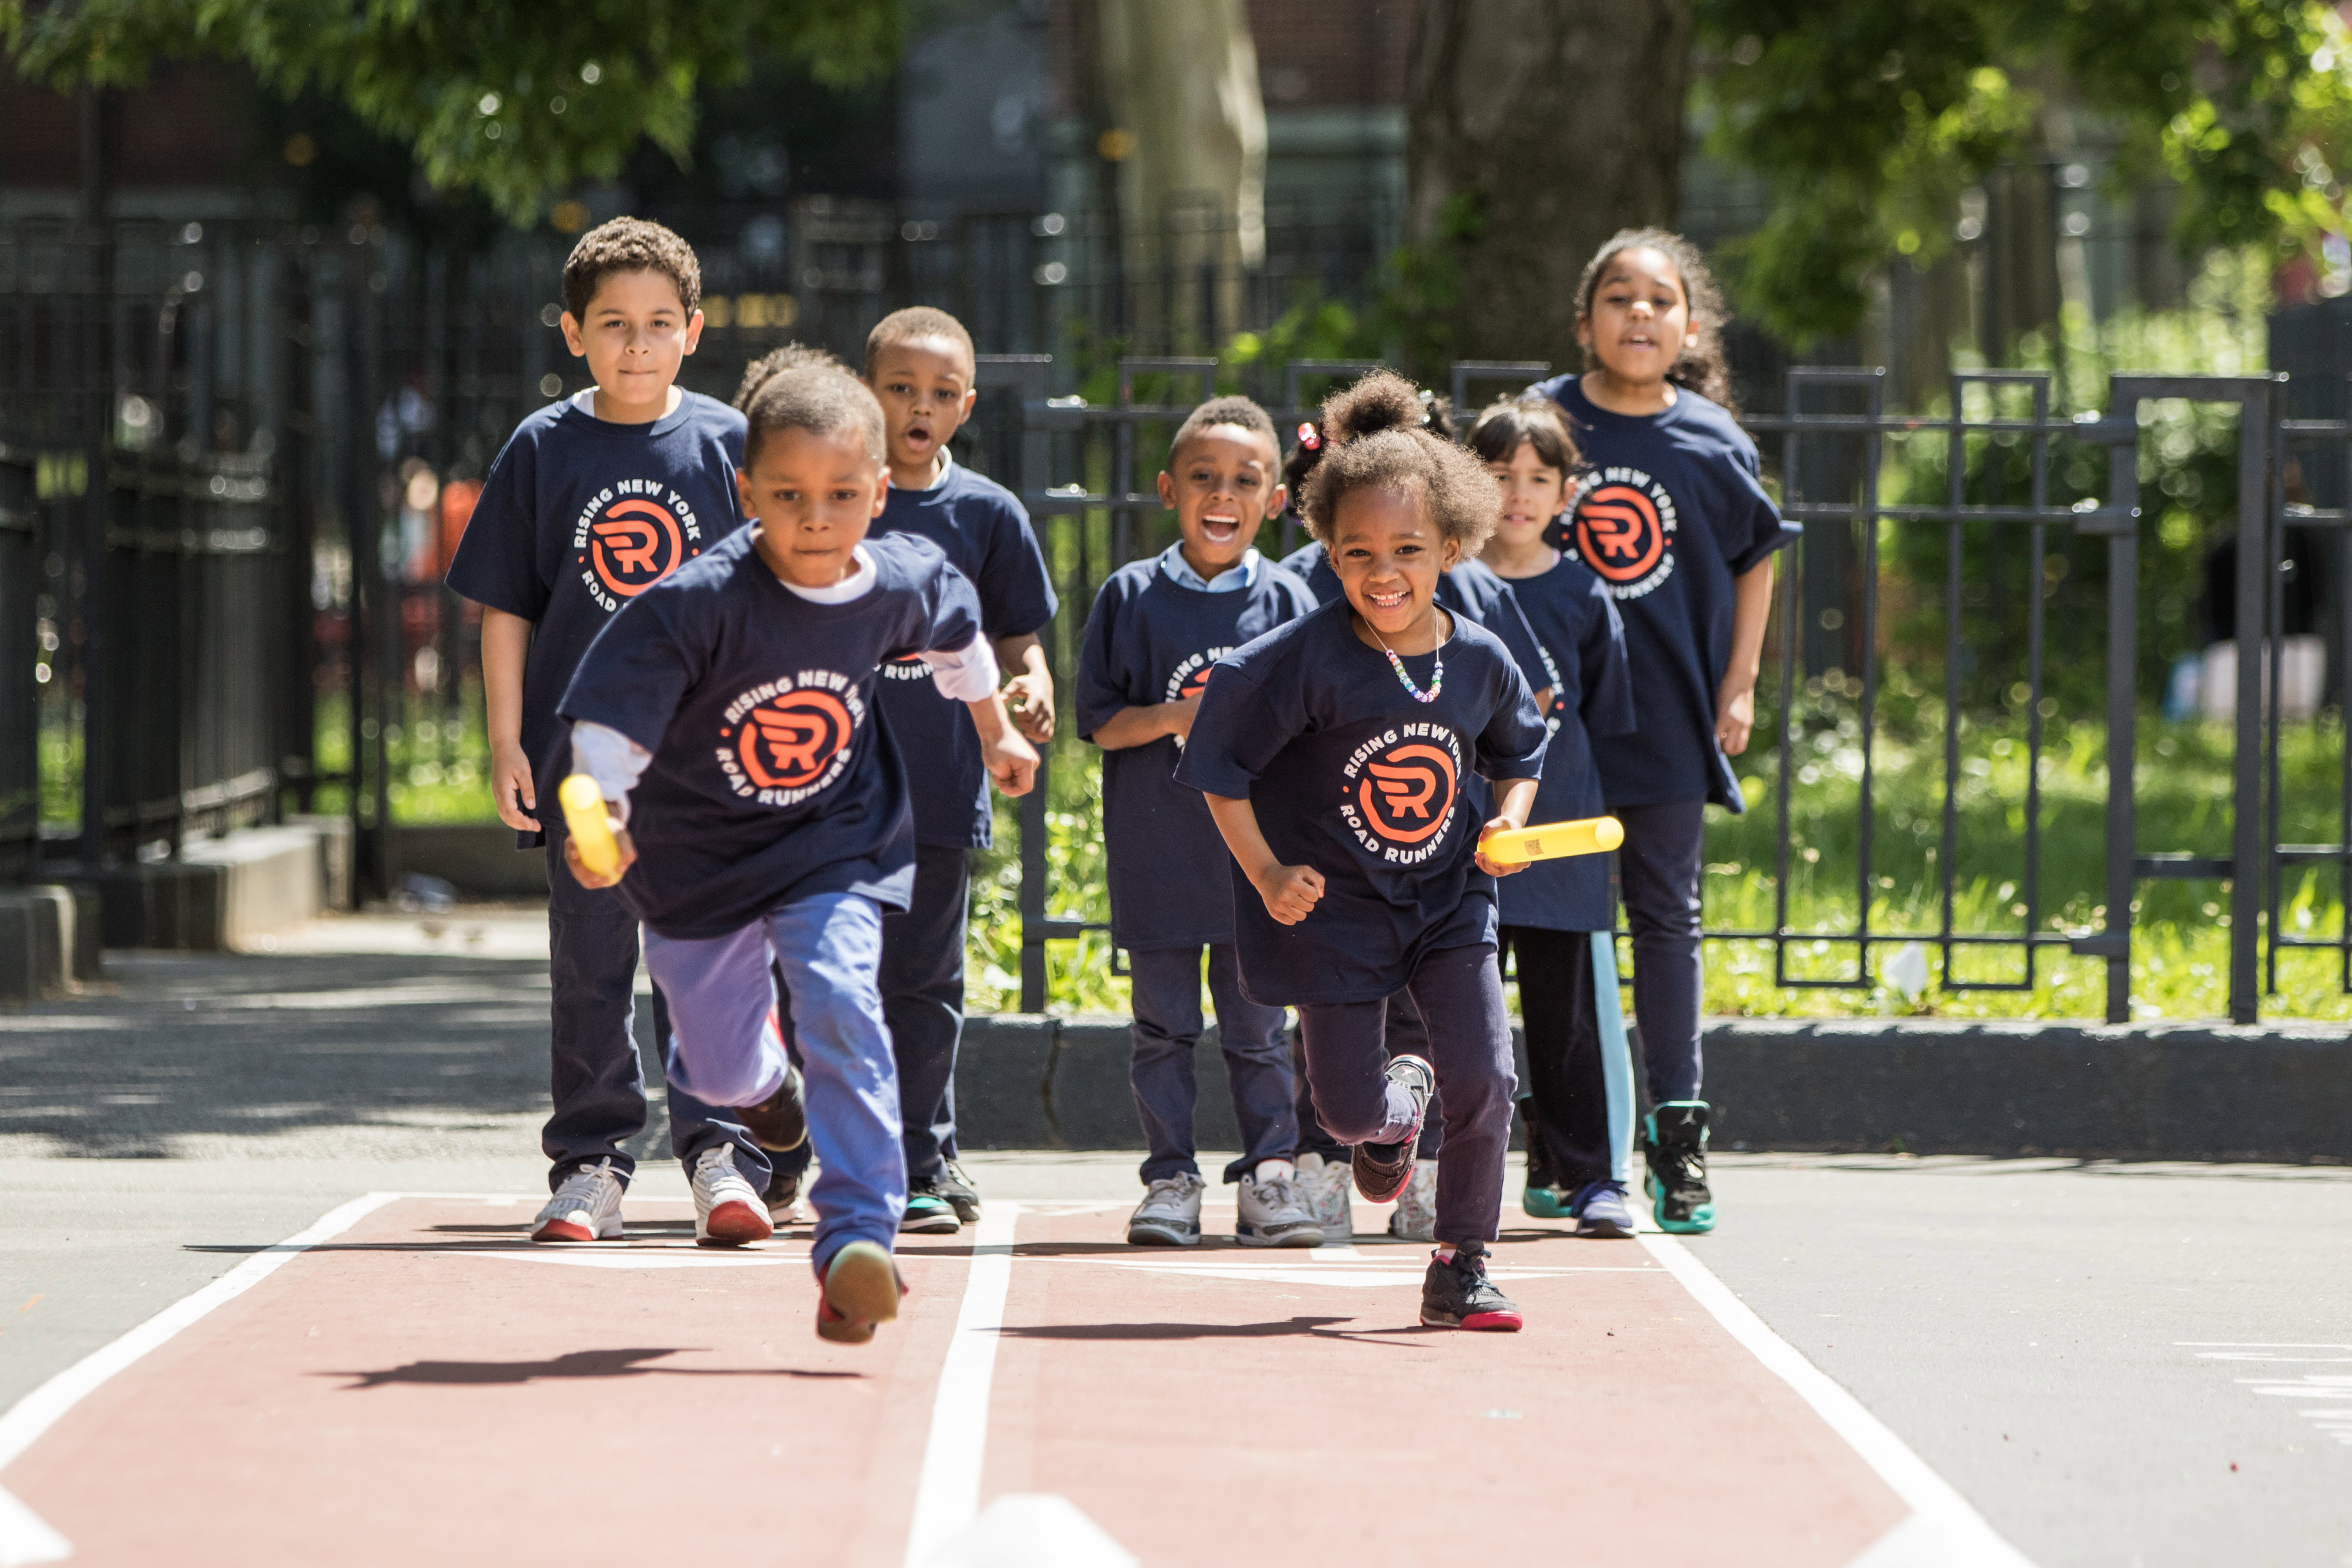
(919, 476)
(1529, 558)
(1425, 632)
(613, 411)
(1604, 388)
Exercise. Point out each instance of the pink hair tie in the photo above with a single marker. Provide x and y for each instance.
(1308, 438)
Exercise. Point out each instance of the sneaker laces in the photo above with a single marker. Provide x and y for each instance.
(1170, 1191)
(1277, 1193)
(715, 1164)
(585, 1184)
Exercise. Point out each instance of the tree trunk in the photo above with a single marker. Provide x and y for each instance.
(1538, 128)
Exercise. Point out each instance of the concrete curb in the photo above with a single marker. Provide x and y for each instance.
(49, 942)
(2165, 1092)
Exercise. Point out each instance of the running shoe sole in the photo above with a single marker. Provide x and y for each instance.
(1155, 1235)
(568, 1230)
(1377, 1182)
(861, 1290)
(779, 1123)
(732, 1224)
(940, 1221)
(1544, 1203)
(1490, 1322)
(1287, 1235)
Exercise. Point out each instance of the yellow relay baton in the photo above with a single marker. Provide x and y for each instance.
(1552, 840)
(592, 829)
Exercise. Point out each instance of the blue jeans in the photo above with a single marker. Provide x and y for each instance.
(726, 1047)
(595, 1076)
(1167, 1000)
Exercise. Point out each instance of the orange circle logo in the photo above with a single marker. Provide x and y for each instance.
(794, 739)
(634, 545)
(1198, 684)
(1618, 534)
(1407, 795)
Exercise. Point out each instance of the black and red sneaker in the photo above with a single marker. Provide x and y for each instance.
(1382, 1168)
(779, 1122)
(1456, 1294)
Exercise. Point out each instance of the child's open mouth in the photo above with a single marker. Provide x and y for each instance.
(1396, 601)
(916, 436)
(1219, 530)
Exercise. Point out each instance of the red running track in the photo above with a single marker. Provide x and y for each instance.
(428, 1387)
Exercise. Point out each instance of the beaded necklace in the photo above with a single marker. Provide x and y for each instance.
(1436, 679)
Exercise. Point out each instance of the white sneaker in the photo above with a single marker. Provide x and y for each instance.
(1169, 1213)
(783, 1200)
(727, 1210)
(1272, 1211)
(1327, 1186)
(586, 1207)
(1416, 1218)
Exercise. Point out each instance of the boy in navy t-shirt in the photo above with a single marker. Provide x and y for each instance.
(1477, 595)
(592, 501)
(919, 364)
(728, 717)
(1157, 627)
(1556, 912)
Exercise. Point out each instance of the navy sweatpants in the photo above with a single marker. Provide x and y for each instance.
(1657, 874)
(1167, 992)
(1459, 991)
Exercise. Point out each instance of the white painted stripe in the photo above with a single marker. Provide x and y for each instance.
(947, 1497)
(1944, 1530)
(24, 1538)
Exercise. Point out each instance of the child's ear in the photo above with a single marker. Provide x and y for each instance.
(1168, 489)
(881, 491)
(1277, 502)
(743, 492)
(1450, 556)
(572, 338)
(693, 331)
(970, 401)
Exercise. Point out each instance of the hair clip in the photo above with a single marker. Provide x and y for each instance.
(1308, 438)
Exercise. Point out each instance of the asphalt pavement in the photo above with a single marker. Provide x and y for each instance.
(2118, 1364)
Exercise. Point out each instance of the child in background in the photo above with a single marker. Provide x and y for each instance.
(592, 500)
(1671, 513)
(1157, 627)
(1336, 752)
(1470, 590)
(1550, 911)
(920, 363)
(763, 814)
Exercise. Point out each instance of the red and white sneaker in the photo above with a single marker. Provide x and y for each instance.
(861, 1288)
(586, 1207)
(727, 1210)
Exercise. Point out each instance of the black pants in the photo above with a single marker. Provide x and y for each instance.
(1657, 874)
(1459, 991)
(1565, 1079)
(1405, 1035)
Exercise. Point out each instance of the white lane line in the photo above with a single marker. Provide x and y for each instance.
(1943, 1530)
(947, 1497)
(24, 1538)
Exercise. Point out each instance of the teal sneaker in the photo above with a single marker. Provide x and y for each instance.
(1674, 1146)
(1544, 1198)
(928, 1212)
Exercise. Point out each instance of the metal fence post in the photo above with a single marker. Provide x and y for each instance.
(2123, 711)
(2247, 817)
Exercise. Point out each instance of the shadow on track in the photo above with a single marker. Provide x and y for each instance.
(571, 1365)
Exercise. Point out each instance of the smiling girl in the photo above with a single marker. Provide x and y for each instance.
(1672, 516)
(1336, 752)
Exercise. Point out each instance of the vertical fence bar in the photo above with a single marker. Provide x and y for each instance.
(1955, 481)
(2123, 657)
(2274, 648)
(2246, 784)
(1874, 395)
(2037, 598)
(1790, 604)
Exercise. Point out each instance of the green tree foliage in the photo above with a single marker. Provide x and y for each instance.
(515, 99)
(1867, 118)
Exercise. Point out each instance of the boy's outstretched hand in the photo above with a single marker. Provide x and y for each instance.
(1291, 892)
(1012, 761)
(588, 879)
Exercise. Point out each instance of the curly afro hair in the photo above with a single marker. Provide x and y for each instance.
(1374, 438)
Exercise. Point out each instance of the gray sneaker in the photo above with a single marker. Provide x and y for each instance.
(1416, 1218)
(1169, 1213)
(1600, 1210)
(1274, 1213)
(1327, 1186)
(586, 1207)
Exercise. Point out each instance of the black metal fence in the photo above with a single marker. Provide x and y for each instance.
(1079, 477)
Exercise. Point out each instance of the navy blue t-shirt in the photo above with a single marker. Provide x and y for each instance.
(985, 532)
(1472, 589)
(578, 517)
(1151, 639)
(1583, 642)
(1671, 508)
(770, 783)
(1350, 775)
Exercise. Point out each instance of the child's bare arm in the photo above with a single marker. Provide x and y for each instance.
(506, 646)
(1029, 694)
(1290, 892)
(1735, 702)
(1142, 725)
(1514, 799)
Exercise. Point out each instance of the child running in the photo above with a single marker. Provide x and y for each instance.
(727, 714)
(1550, 911)
(1336, 752)
(593, 500)
(1157, 627)
(1670, 512)
(1472, 591)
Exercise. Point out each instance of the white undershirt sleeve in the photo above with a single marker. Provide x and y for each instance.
(613, 760)
(967, 674)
